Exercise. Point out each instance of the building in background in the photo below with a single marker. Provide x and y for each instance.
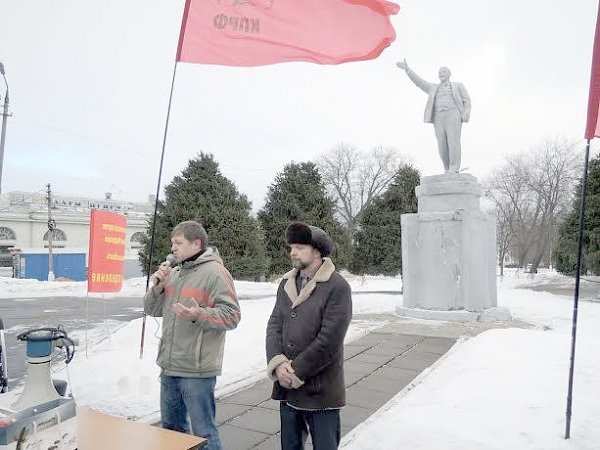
(24, 225)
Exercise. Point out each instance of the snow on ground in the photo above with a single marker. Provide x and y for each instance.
(505, 388)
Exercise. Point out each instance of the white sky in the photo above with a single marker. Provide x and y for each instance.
(89, 87)
(504, 389)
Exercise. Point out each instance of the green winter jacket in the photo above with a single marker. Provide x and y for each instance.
(195, 349)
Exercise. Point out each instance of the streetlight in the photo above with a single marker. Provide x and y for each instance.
(4, 116)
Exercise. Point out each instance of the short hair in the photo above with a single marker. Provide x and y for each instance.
(191, 230)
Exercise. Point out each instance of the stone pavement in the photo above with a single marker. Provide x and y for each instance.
(377, 366)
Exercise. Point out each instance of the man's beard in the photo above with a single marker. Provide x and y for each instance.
(299, 264)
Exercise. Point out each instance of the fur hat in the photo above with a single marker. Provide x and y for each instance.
(301, 233)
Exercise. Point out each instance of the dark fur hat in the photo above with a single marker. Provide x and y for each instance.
(301, 233)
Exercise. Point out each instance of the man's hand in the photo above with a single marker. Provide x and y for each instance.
(284, 372)
(402, 64)
(183, 312)
(160, 278)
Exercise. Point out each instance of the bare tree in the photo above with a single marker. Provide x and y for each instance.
(354, 178)
(530, 191)
(507, 190)
(506, 216)
(552, 173)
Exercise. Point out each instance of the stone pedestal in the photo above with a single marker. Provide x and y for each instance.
(449, 253)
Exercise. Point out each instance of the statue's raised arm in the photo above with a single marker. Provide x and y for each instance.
(402, 64)
(425, 86)
(448, 106)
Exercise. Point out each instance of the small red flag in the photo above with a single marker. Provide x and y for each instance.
(592, 129)
(260, 32)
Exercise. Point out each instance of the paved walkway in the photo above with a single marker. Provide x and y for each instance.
(377, 366)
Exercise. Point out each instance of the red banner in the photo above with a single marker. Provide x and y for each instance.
(260, 32)
(107, 251)
(592, 128)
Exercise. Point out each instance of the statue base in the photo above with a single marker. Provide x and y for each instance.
(449, 250)
(497, 314)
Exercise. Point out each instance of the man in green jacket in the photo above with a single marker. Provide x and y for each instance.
(198, 304)
(305, 342)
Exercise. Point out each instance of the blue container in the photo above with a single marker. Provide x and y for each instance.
(66, 265)
(39, 343)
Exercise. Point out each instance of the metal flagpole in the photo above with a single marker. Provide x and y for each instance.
(4, 115)
(576, 298)
(151, 255)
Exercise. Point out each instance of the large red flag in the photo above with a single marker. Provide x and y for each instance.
(592, 129)
(259, 32)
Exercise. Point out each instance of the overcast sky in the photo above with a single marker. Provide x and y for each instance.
(90, 80)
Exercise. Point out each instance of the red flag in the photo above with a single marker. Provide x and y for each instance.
(592, 129)
(259, 32)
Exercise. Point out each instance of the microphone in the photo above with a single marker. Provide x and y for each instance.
(170, 260)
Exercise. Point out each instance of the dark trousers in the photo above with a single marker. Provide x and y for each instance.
(324, 428)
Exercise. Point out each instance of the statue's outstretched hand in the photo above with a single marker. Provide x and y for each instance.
(402, 64)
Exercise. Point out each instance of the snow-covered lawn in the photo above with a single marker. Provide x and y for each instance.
(503, 389)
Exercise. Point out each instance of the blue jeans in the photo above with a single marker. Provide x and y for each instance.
(324, 427)
(194, 399)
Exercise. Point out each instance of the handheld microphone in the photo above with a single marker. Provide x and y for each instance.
(170, 260)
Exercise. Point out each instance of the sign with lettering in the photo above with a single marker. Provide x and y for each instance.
(107, 251)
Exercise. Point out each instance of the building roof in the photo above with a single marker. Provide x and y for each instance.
(19, 201)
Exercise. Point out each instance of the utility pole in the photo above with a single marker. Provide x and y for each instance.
(51, 227)
(5, 115)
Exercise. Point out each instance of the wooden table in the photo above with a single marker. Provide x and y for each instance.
(97, 431)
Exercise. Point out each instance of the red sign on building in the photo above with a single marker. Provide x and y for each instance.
(107, 251)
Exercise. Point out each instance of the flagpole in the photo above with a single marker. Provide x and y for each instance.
(160, 168)
(576, 298)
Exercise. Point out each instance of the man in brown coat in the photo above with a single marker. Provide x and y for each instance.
(305, 342)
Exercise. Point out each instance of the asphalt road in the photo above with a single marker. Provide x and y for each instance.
(588, 290)
(23, 314)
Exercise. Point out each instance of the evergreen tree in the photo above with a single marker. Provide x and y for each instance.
(298, 193)
(202, 193)
(565, 251)
(377, 246)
